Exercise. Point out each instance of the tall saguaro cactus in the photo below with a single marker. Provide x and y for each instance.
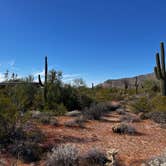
(136, 85)
(160, 70)
(45, 82)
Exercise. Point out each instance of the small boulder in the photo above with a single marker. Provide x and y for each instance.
(74, 113)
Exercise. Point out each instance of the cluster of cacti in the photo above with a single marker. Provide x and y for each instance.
(45, 82)
(159, 69)
(136, 85)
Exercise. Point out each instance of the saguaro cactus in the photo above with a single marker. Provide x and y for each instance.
(159, 69)
(136, 85)
(45, 82)
(92, 86)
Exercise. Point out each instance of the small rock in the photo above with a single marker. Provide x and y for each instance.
(73, 113)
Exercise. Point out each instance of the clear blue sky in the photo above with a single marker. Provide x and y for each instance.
(92, 39)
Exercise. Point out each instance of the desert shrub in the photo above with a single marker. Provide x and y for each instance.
(129, 118)
(26, 144)
(38, 101)
(157, 161)
(157, 116)
(123, 128)
(159, 103)
(60, 110)
(8, 119)
(141, 105)
(78, 122)
(35, 135)
(54, 122)
(97, 110)
(106, 94)
(75, 99)
(26, 151)
(95, 157)
(45, 119)
(22, 95)
(151, 86)
(121, 111)
(63, 155)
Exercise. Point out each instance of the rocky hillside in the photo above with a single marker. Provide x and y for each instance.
(120, 83)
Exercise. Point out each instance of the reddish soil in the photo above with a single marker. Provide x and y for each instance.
(133, 149)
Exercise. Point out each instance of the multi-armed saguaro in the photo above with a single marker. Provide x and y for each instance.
(45, 82)
(160, 70)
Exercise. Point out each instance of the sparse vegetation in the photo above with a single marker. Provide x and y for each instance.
(97, 110)
(24, 106)
(141, 105)
(95, 157)
(63, 155)
(124, 128)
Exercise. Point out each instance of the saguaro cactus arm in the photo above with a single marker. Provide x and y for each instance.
(40, 82)
(163, 58)
(45, 81)
(160, 70)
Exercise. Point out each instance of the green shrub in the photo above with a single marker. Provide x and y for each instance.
(22, 95)
(27, 151)
(60, 110)
(151, 86)
(8, 118)
(141, 105)
(159, 103)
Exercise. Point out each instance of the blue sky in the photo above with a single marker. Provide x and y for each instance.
(92, 39)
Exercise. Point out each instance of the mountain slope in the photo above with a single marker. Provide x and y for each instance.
(120, 83)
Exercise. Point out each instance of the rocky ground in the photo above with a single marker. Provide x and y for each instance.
(149, 141)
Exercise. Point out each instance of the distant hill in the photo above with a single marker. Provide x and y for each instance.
(119, 83)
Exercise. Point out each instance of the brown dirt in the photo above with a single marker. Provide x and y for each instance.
(133, 149)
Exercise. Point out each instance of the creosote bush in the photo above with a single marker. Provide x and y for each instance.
(97, 110)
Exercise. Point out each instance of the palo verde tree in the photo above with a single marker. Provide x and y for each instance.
(160, 70)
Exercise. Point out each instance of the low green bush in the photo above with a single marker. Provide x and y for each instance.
(8, 119)
(141, 105)
(159, 103)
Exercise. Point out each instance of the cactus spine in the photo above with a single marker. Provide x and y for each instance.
(159, 69)
(45, 82)
(136, 85)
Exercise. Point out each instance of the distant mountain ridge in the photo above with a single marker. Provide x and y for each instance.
(120, 83)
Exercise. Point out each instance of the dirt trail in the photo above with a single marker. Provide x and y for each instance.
(132, 149)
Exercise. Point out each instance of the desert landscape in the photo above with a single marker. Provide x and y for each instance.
(82, 83)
